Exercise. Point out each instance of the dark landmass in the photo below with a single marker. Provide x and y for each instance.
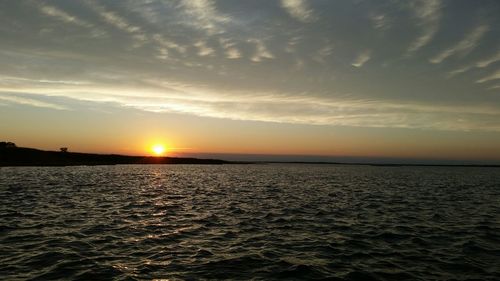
(345, 160)
(380, 164)
(11, 155)
(22, 156)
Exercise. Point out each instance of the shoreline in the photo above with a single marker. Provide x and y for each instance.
(22, 156)
(31, 157)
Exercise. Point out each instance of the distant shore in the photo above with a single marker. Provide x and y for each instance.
(381, 164)
(23, 156)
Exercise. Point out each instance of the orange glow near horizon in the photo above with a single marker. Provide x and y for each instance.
(158, 149)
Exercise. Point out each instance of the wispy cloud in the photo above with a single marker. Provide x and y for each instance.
(299, 10)
(282, 108)
(204, 15)
(486, 62)
(362, 58)
(479, 64)
(233, 53)
(119, 22)
(203, 49)
(19, 80)
(62, 15)
(379, 21)
(68, 18)
(466, 45)
(458, 71)
(261, 51)
(163, 42)
(323, 53)
(30, 102)
(491, 77)
(138, 33)
(230, 50)
(428, 13)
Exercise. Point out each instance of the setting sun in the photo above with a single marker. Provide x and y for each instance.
(158, 149)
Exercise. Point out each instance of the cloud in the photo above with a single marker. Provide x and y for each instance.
(203, 49)
(139, 34)
(6, 79)
(30, 102)
(323, 53)
(261, 51)
(466, 45)
(479, 64)
(362, 58)
(428, 13)
(282, 108)
(458, 71)
(119, 22)
(233, 53)
(204, 15)
(299, 10)
(486, 62)
(62, 15)
(161, 40)
(230, 49)
(380, 21)
(491, 77)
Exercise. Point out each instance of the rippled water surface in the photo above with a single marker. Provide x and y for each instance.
(259, 222)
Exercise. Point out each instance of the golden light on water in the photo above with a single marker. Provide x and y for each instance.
(158, 149)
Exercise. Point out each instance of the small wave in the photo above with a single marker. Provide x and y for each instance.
(262, 222)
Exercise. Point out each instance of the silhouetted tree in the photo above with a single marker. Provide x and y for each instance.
(64, 149)
(4, 144)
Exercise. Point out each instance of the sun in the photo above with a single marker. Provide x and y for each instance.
(158, 149)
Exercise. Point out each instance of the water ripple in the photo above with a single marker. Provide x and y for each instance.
(260, 222)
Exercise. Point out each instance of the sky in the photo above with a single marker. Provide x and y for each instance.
(373, 79)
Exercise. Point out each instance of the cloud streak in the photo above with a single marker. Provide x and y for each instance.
(62, 15)
(491, 77)
(299, 10)
(205, 16)
(119, 22)
(274, 107)
(362, 58)
(261, 51)
(491, 60)
(29, 101)
(466, 45)
(428, 13)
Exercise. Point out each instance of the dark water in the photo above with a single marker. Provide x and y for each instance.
(260, 222)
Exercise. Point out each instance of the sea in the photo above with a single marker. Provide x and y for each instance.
(249, 222)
